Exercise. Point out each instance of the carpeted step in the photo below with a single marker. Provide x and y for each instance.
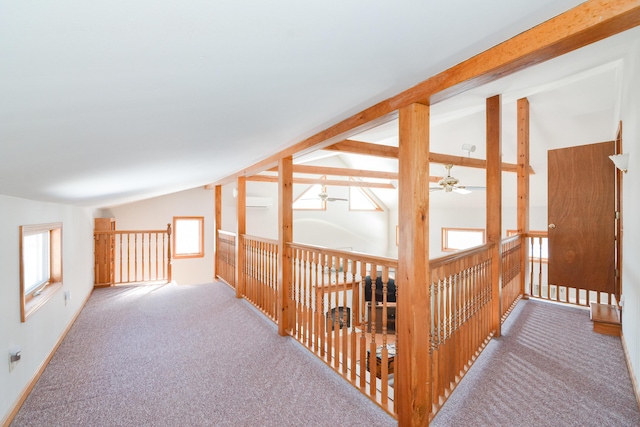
(606, 319)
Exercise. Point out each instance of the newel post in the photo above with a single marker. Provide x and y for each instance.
(241, 201)
(285, 237)
(169, 274)
(494, 206)
(414, 377)
(523, 187)
(217, 224)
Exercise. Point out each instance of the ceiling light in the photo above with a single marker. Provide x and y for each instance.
(621, 161)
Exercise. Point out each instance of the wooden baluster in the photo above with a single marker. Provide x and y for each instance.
(355, 309)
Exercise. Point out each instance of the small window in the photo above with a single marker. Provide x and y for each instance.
(310, 199)
(455, 239)
(360, 200)
(40, 265)
(188, 236)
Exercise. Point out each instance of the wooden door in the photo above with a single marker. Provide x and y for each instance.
(582, 217)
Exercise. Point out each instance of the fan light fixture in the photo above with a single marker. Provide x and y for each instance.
(621, 161)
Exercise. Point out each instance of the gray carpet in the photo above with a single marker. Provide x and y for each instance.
(548, 369)
(187, 356)
(196, 355)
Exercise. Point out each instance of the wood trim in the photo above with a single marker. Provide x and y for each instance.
(356, 173)
(338, 183)
(413, 382)
(523, 119)
(217, 223)
(365, 148)
(241, 201)
(634, 379)
(285, 237)
(27, 390)
(494, 203)
(469, 162)
(586, 23)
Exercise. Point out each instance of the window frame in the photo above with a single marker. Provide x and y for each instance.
(375, 206)
(36, 297)
(323, 203)
(445, 237)
(200, 253)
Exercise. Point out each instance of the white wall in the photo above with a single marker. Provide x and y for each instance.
(630, 116)
(157, 212)
(42, 330)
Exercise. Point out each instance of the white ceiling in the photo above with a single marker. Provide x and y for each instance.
(103, 103)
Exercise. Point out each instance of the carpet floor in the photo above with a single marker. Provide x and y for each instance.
(196, 355)
(547, 369)
(187, 356)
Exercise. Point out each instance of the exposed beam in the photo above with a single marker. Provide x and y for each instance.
(586, 23)
(367, 148)
(356, 173)
(470, 162)
(523, 183)
(336, 182)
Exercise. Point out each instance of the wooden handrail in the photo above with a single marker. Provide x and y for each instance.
(128, 231)
(259, 239)
(381, 261)
(438, 262)
(227, 233)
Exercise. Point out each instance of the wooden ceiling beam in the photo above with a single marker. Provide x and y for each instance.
(366, 148)
(336, 182)
(587, 23)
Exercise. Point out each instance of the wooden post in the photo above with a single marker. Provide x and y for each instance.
(285, 236)
(413, 381)
(217, 225)
(241, 230)
(169, 272)
(523, 186)
(494, 204)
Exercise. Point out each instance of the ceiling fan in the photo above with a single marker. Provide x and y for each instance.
(451, 184)
(324, 196)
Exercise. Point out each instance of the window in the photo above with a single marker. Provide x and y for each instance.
(188, 236)
(310, 199)
(455, 239)
(40, 265)
(360, 200)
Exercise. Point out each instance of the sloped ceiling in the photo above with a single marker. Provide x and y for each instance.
(103, 103)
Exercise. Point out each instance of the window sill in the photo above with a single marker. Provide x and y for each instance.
(34, 303)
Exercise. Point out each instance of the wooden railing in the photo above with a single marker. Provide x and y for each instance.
(461, 316)
(342, 308)
(511, 252)
(334, 320)
(226, 257)
(132, 256)
(261, 274)
(538, 286)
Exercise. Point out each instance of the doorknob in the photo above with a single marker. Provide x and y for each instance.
(552, 226)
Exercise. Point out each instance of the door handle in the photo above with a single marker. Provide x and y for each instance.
(552, 226)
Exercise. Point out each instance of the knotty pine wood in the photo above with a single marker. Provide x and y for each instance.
(241, 201)
(494, 202)
(524, 155)
(285, 237)
(217, 225)
(413, 363)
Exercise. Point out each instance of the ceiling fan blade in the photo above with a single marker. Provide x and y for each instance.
(474, 188)
(432, 189)
(461, 190)
(336, 199)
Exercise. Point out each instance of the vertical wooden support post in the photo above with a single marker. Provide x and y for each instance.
(619, 228)
(169, 268)
(494, 204)
(217, 225)
(241, 230)
(413, 381)
(285, 236)
(523, 187)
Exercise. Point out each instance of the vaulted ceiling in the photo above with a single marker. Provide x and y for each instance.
(103, 103)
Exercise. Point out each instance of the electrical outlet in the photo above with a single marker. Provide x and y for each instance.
(67, 296)
(15, 355)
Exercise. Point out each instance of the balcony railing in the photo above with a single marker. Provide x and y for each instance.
(343, 307)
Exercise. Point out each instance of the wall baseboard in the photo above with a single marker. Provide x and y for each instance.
(25, 393)
(634, 380)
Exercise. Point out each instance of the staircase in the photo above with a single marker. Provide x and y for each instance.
(606, 319)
